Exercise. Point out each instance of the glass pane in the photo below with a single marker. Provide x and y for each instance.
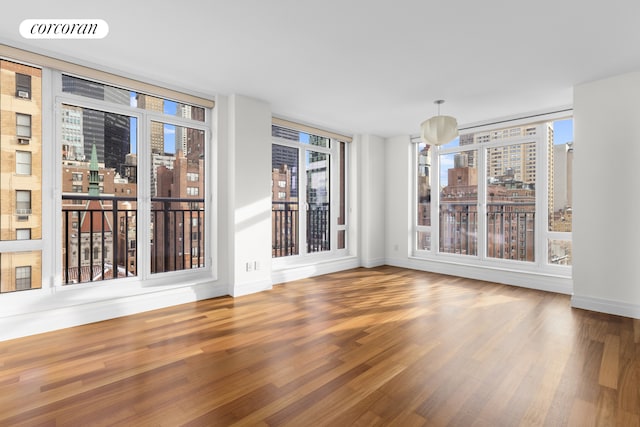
(424, 185)
(303, 137)
(99, 191)
(560, 182)
(23, 162)
(177, 202)
(20, 271)
(317, 168)
(560, 252)
(342, 178)
(459, 203)
(103, 92)
(511, 201)
(284, 201)
(342, 239)
(424, 241)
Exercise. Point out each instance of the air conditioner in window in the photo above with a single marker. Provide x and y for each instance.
(23, 141)
(23, 94)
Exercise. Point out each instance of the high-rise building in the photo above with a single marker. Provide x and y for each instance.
(20, 173)
(109, 132)
(153, 103)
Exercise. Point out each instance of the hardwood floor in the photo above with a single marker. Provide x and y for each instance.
(365, 347)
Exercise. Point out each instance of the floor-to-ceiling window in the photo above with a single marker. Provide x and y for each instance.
(308, 194)
(126, 177)
(130, 158)
(503, 197)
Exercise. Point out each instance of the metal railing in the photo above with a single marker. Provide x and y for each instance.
(459, 228)
(510, 230)
(177, 234)
(285, 225)
(318, 227)
(284, 229)
(100, 237)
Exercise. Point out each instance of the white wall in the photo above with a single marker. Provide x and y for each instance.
(606, 233)
(249, 181)
(398, 202)
(371, 187)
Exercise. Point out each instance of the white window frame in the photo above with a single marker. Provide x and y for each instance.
(542, 234)
(144, 119)
(22, 164)
(304, 257)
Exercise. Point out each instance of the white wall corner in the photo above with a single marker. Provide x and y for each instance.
(371, 185)
(251, 288)
(618, 308)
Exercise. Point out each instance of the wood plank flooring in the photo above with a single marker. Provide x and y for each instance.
(364, 347)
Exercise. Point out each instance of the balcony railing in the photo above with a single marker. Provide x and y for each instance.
(177, 234)
(318, 227)
(458, 228)
(285, 224)
(100, 237)
(510, 230)
(284, 229)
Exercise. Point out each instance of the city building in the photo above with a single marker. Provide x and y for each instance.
(20, 173)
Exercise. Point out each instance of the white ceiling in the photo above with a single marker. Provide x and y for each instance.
(356, 66)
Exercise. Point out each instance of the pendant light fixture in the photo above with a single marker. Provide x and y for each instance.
(439, 130)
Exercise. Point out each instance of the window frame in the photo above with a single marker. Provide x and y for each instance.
(24, 164)
(144, 119)
(18, 277)
(542, 234)
(22, 87)
(333, 151)
(24, 126)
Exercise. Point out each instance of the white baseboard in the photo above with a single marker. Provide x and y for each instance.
(298, 272)
(618, 308)
(543, 282)
(375, 262)
(251, 288)
(54, 318)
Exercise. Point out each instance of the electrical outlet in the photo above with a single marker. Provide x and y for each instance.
(256, 265)
(249, 266)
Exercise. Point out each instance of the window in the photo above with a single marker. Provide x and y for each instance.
(23, 86)
(424, 198)
(23, 162)
(306, 219)
(23, 125)
(23, 202)
(504, 197)
(458, 214)
(101, 145)
(560, 190)
(23, 278)
(23, 234)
